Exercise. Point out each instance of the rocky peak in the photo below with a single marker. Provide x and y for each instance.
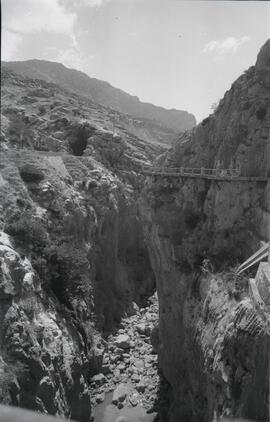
(263, 59)
(263, 63)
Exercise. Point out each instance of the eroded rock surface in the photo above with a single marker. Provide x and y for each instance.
(213, 344)
(73, 256)
(74, 261)
(43, 366)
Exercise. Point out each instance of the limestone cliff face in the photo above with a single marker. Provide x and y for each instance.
(213, 344)
(43, 361)
(73, 260)
(72, 253)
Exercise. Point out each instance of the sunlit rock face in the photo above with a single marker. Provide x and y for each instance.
(43, 365)
(213, 342)
(73, 261)
(73, 257)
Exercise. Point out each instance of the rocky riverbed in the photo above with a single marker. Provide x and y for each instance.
(129, 373)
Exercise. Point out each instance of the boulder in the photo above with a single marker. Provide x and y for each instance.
(135, 378)
(100, 398)
(134, 399)
(119, 351)
(121, 367)
(141, 328)
(99, 379)
(122, 341)
(140, 387)
(119, 394)
(116, 375)
(139, 363)
(114, 358)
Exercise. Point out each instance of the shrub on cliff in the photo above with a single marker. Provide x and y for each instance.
(28, 230)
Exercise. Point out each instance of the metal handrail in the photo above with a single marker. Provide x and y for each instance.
(253, 259)
(193, 171)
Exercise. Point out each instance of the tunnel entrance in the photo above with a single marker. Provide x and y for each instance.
(79, 142)
(79, 137)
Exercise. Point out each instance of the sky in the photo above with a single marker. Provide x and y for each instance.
(172, 53)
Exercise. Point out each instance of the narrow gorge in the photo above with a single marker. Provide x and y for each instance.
(119, 294)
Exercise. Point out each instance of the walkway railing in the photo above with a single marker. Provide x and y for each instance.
(193, 171)
(202, 172)
(258, 256)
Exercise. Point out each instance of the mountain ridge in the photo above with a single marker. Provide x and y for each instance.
(102, 92)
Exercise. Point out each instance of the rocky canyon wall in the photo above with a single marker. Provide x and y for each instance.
(75, 252)
(73, 257)
(213, 343)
